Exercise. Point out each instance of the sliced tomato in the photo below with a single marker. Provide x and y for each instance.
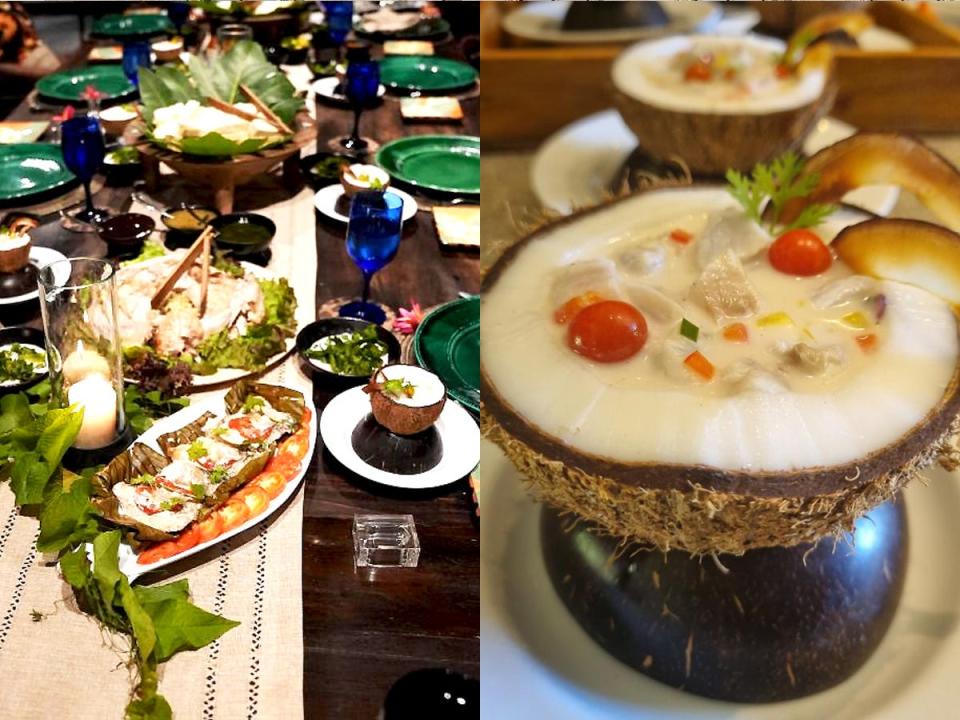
(188, 538)
(272, 483)
(698, 71)
(210, 527)
(256, 500)
(296, 446)
(800, 252)
(233, 514)
(157, 553)
(283, 464)
(244, 425)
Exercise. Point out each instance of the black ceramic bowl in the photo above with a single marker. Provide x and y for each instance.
(337, 326)
(24, 336)
(125, 234)
(322, 169)
(120, 174)
(229, 240)
(180, 237)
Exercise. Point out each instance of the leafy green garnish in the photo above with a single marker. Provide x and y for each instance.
(198, 491)
(262, 340)
(224, 264)
(359, 353)
(768, 188)
(253, 402)
(398, 387)
(689, 330)
(150, 249)
(20, 363)
(171, 504)
(126, 155)
(142, 408)
(196, 450)
(218, 475)
(144, 479)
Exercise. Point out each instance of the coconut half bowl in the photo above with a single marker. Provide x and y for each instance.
(712, 137)
(696, 506)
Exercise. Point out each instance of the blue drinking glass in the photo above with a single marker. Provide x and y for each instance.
(373, 236)
(339, 19)
(178, 12)
(136, 54)
(81, 140)
(362, 87)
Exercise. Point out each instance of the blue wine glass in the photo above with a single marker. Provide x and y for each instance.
(81, 140)
(373, 236)
(363, 86)
(339, 19)
(136, 54)
(178, 12)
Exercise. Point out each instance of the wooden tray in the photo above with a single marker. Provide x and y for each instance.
(530, 92)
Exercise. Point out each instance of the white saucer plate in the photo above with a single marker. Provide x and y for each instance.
(576, 166)
(459, 434)
(325, 200)
(39, 256)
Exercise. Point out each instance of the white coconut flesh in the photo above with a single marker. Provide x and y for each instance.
(428, 389)
(12, 241)
(365, 175)
(653, 72)
(763, 410)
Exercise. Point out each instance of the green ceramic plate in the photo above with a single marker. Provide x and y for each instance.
(121, 26)
(425, 73)
(32, 170)
(450, 163)
(447, 343)
(67, 85)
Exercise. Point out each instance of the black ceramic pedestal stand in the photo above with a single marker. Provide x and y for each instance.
(780, 623)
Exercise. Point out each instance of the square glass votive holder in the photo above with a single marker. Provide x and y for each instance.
(385, 541)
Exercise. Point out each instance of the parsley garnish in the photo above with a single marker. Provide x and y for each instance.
(144, 479)
(198, 491)
(398, 387)
(218, 475)
(218, 431)
(196, 450)
(171, 504)
(253, 402)
(768, 189)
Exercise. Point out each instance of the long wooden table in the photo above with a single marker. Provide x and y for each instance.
(361, 633)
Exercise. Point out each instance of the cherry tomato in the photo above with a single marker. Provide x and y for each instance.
(800, 252)
(698, 70)
(571, 307)
(608, 331)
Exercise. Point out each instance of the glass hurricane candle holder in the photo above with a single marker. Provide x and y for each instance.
(78, 301)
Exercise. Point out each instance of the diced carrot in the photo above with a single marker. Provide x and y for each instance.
(700, 365)
(680, 236)
(571, 307)
(737, 332)
(867, 342)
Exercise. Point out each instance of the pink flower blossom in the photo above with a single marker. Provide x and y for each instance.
(408, 320)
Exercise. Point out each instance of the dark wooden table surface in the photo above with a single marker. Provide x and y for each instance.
(362, 631)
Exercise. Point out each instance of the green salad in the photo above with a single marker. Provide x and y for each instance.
(19, 363)
(357, 353)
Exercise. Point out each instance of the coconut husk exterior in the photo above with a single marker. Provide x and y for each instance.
(403, 419)
(15, 259)
(704, 510)
(711, 143)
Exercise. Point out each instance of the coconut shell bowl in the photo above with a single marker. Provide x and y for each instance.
(223, 175)
(742, 581)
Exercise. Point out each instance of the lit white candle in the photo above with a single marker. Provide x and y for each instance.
(95, 394)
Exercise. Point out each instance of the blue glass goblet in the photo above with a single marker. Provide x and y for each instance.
(362, 88)
(339, 19)
(136, 54)
(373, 236)
(81, 140)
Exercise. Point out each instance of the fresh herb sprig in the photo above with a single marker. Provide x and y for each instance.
(20, 362)
(766, 191)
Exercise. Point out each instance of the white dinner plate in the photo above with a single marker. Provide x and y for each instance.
(39, 256)
(327, 87)
(539, 663)
(542, 22)
(576, 166)
(326, 199)
(459, 434)
(128, 558)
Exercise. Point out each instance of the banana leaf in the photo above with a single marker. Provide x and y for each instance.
(135, 461)
(184, 436)
(283, 399)
(220, 77)
(250, 466)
